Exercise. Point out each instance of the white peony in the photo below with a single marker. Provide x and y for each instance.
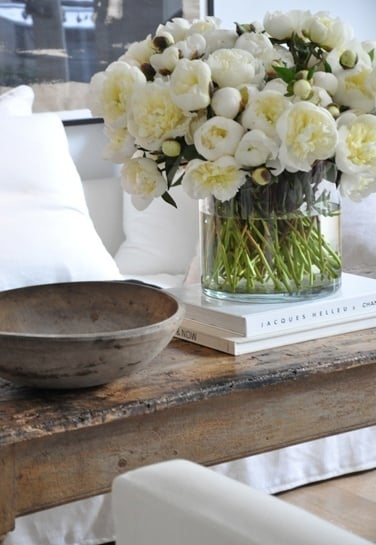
(113, 90)
(218, 136)
(141, 177)
(139, 53)
(256, 43)
(227, 102)
(166, 61)
(219, 39)
(327, 31)
(190, 84)
(308, 133)
(282, 25)
(263, 111)
(193, 47)
(203, 26)
(178, 28)
(357, 88)
(120, 146)
(221, 178)
(232, 67)
(357, 188)
(155, 117)
(255, 148)
(356, 149)
(325, 80)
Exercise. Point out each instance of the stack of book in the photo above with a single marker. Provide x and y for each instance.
(240, 328)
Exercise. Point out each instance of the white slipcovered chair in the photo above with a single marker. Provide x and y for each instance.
(182, 503)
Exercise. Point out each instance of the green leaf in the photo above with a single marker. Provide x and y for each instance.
(371, 54)
(284, 73)
(190, 153)
(171, 169)
(328, 68)
(168, 199)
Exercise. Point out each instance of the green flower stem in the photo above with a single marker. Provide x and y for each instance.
(286, 254)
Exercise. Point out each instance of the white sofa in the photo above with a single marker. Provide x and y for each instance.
(46, 234)
(178, 501)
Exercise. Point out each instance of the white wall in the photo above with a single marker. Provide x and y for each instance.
(361, 14)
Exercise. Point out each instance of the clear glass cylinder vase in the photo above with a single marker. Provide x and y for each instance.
(277, 242)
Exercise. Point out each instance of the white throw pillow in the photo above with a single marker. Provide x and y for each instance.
(17, 101)
(160, 239)
(46, 234)
(358, 232)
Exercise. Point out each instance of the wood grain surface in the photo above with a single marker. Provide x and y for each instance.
(191, 402)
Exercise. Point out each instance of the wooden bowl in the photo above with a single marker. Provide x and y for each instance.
(81, 334)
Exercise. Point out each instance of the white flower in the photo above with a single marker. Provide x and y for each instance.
(178, 28)
(220, 103)
(357, 88)
(221, 178)
(356, 149)
(256, 43)
(139, 53)
(190, 84)
(120, 146)
(263, 111)
(193, 47)
(217, 137)
(194, 124)
(226, 102)
(317, 96)
(327, 31)
(232, 67)
(165, 61)
(220, 39)
(357, 188)
(255, 148)
(308, 133)
(113, 89)
(278, 55)
(281, 25)
(326, 81)
(141, 177)
(203, 26)
(154, 116)
(276, 84)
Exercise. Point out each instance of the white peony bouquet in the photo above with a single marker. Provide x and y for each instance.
(268, 107)
(226, 103)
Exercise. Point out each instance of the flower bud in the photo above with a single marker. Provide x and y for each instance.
(302, 89)
(334, 110)
(261, 176)
(227, 102)
(171, 148)
(245, 27)
(162, 42)
(148, 71)
(348, 59)
(302, 74)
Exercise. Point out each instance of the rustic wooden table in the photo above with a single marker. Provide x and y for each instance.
(193, 402)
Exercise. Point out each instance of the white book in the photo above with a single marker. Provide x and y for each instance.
(238, 344)
(355, 299)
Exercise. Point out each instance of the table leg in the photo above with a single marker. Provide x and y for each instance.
(7, 491)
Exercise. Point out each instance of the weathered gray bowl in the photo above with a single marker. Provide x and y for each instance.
(81, 334)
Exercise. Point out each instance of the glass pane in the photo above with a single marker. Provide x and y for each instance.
(65, 42)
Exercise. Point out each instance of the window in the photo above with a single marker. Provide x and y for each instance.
(57, 45)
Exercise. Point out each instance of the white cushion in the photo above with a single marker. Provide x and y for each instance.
(17, 101)
(358, 231)
(160, 239)
(181, 502)
(46, 234)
